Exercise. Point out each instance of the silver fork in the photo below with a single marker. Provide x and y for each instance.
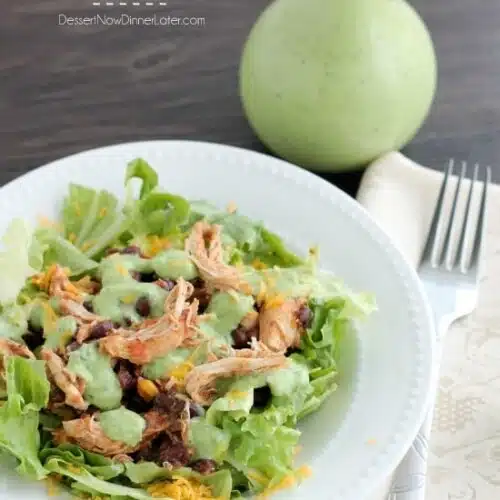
(450, 277)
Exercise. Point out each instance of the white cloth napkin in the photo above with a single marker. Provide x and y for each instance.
(464, 462)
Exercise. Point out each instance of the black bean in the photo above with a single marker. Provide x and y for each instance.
(33, 339)
(261, 397)
(243, 336)
(127, 321)
(305, 316)
(133, 402)
(195, 410)
(34, 328)
(168, 402)
(89, 305)
(100, 330)
(126, 375)
(204, 466)
(174, 452)
(149, 277)
(131, 250)
(165, 284)
(73, 346)
(142, 306)
(136, 275)
(201, 294)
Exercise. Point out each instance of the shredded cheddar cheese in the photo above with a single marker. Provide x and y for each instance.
(261, 296)
(52, 486)
(87, 245)
(231, 207)
(235, 394)
(74, 469)
(258, 477)
(85, 284)
(128, 299)
(45, 222)
(258, 264)
(103, 212)
(72, 237)
(179, 372)
(181, 489)
(49, 316)
(274, 301)
(122, 270)
(156, 245)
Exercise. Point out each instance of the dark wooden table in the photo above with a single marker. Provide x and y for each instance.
(65, 89)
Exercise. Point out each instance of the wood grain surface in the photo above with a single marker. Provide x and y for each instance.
(65, 89)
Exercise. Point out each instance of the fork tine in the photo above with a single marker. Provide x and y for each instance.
(481, 224)
(432, 237)
(460, 259)
(447, 245)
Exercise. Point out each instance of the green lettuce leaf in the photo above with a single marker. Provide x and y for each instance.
(95, 464)
(13, 321)
(21, 257)
(207, 440)
(19, 436)
(154, 212)
(26, 378)
(90, 218)
(63, 252)
(140, 169)
(146, 472)
(87, 482)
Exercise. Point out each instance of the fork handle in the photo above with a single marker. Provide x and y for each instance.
(409, 480)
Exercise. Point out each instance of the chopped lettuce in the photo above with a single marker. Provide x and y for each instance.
(95, 464)
(207, 440)
(87, 482)
(21, 257)
(26, 378)
(13, 321)
(61, 251)
(28, 392)
(19, 436)
(154, 212)
(140, 169)
(90, 218)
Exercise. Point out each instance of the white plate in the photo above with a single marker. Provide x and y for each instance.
(363, 431)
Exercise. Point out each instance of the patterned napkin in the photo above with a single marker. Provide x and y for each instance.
(464, 461)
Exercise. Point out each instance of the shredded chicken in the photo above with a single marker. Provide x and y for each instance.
(72, 385)
(11, 348)
(87, 433)
(205, 248)
(279, 325)
(56, 283)
(156, 337)
(200, 382)
(85, 319)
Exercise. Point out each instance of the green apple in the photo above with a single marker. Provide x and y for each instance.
(333, 84)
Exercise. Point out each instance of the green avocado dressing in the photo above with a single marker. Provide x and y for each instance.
(120, 290)
(102, 387)
(122, 425)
